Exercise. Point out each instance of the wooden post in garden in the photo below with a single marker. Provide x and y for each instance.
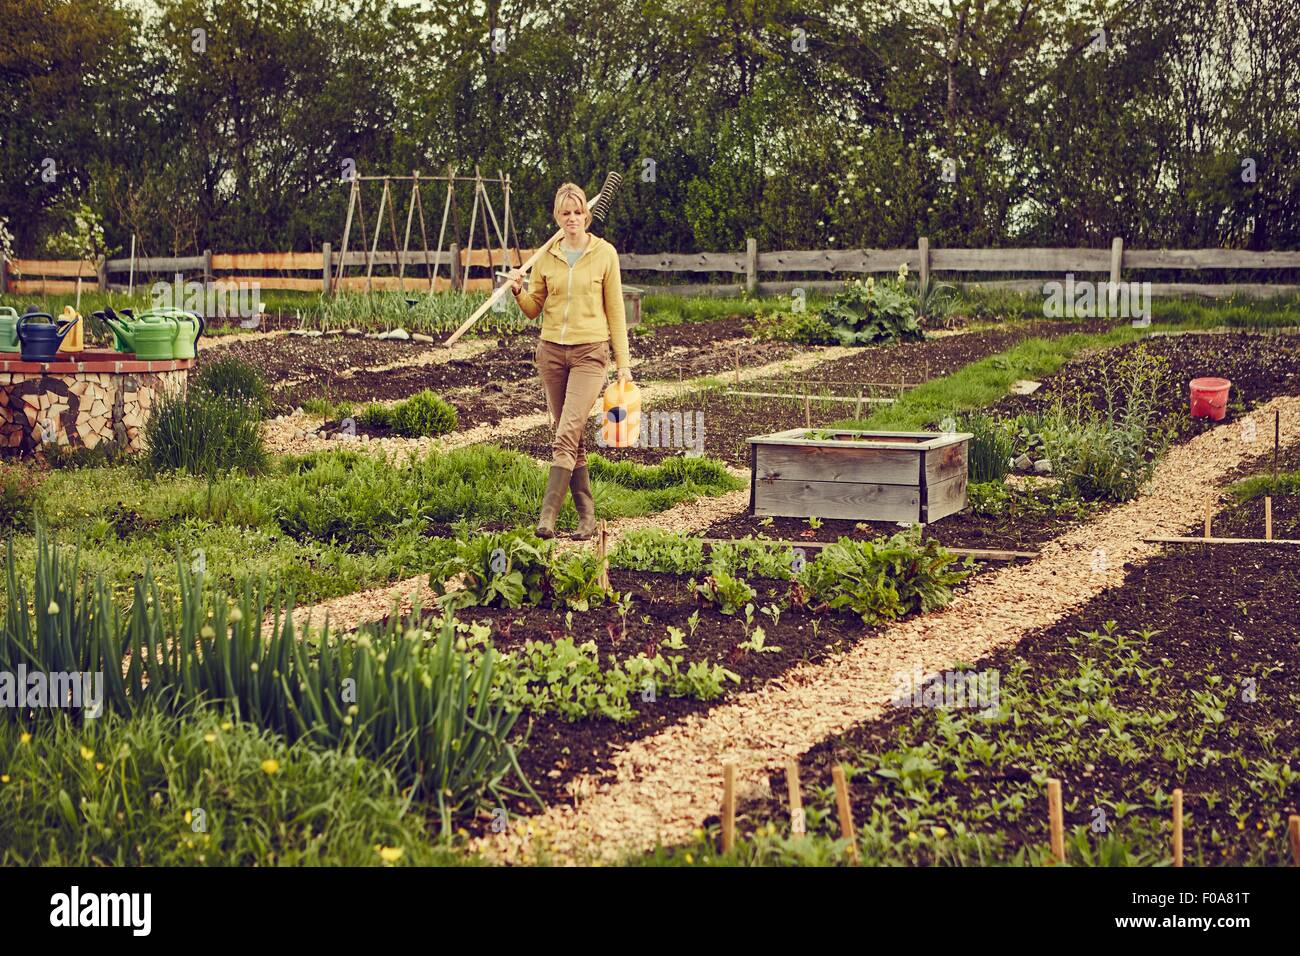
(728, 807)
(101, 275)
(1268, 517)
(1116, 259)
(923, 253)
(751, 265)
(735, 356)
(797, 825)
(1178, 827)
(602, 550)
(325, 266)
(1293, 834)
(845, 812)
(455, 266)
(4, 275)
(1056, 819)
(807, 411)
(207, 266)
(1209, 513)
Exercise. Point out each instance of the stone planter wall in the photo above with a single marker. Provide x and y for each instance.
(102, 396)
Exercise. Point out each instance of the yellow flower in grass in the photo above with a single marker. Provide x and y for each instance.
(24, 738)
(227, 725)
(389, 854)
(689, 858)
(87, 753)
(4, 778)
(209, 737)
(270, 766)
(98, 765)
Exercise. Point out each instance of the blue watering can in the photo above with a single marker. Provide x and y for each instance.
(40, 341)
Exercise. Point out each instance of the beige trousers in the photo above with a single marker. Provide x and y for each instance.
(573, 377)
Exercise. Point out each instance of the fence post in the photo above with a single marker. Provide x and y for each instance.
(1116, 258)
(325, 267)
(751, 266)
(923, 253)
(455, 267)
(101, 274)
(4, 275)
(207, 266)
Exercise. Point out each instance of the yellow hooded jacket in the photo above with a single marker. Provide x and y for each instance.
(583, 304)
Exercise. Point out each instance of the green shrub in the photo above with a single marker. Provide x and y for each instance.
(234, 379)
(204, 434)
(196, 789)
(18, 496)
(861, 313)
(376, 416)
(650, 549)
(669, 473)
(880, 580)
(422, 415)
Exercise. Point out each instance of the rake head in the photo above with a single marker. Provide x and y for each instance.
(600, 205)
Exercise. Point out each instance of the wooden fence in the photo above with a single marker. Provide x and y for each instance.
(411, 270)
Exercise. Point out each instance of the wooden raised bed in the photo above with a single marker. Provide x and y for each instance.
(865, 476)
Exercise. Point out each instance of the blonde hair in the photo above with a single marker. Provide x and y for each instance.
(569, 191)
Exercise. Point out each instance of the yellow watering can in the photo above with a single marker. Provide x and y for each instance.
(75, 340)
(621, 425)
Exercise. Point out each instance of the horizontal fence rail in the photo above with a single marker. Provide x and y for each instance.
(411, 270)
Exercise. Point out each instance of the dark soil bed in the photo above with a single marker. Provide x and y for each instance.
(962, 530)
(1232, 610)
(1260, 367)
(558, 750)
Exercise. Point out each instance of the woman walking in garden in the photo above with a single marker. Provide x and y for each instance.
(578, 287)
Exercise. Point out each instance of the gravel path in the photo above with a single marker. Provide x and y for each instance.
(663, 786)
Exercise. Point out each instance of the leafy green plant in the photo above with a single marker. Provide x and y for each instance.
(729, 594)
(882, 579)
(752, 557)
(650, 549)
(575, 580)
(500, 569)
(870, 312)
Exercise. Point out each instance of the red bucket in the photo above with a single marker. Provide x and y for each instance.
(1209, 397)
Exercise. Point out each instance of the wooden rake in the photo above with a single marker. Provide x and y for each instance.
(598, 207)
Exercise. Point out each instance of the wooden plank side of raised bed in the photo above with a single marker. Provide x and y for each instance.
(881, 466)
(945, 497)
(837, 499)
(945, 462)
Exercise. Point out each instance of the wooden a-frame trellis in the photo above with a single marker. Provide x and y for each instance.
(415, 210)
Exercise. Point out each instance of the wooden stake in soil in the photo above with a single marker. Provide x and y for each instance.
(857, 409)
(1268, 518)
(728, 807)
(736, 361)
(1056, 819)
(845, 811)
(807, 411)
(1209, 511)
(1293, 832)
(602, 547)
(797, 824)
(1178, 827)
(1277, 431)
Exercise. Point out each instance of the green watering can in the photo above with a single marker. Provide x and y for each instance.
(151, 337)
(9, 330)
